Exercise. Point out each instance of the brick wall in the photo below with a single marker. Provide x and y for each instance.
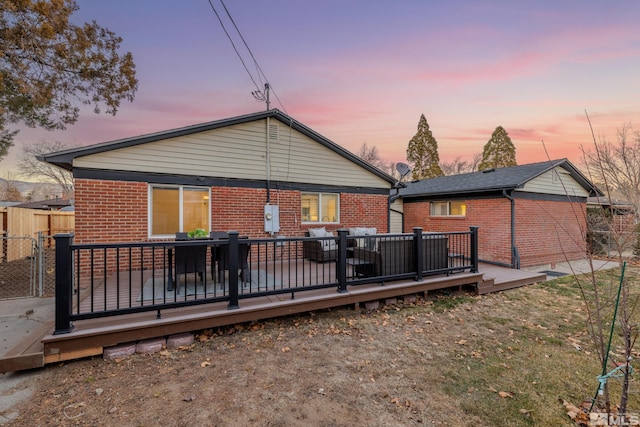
(110, 211)
(116, 211)
(546, 231)
(549, 232)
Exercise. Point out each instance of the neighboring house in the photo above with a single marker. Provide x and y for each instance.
(263, 174)
(47, 205)
(528, 215)
(621, 213)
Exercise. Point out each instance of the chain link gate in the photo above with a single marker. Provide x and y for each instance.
(18, 267)
(46, 265)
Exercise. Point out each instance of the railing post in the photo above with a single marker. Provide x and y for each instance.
(233, 270)
(418, 252)
(341, 262)
(64, 283)
(474, 249)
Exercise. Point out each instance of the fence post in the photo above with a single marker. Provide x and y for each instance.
(474, 249)
(341, 263)
(40, 263)
(233, 270)
(64, 283)
(418, 252)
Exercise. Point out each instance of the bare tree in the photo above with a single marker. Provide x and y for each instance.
(32, 168)
(9, 191)
(371, 155)
(458, 165)
(616, 167)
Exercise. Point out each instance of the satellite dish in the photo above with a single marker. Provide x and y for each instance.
(403, 169)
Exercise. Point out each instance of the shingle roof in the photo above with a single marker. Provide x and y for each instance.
(491, 180)
(45, 204)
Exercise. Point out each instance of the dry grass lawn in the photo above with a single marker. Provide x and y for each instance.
(452, 358)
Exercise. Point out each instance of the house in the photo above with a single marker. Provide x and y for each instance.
(47, 204)
(528, 215)
(263, 174)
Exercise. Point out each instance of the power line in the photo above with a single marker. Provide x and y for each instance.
(257, 94)
(233, 44)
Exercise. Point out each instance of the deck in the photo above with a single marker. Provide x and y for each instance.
(89, 337)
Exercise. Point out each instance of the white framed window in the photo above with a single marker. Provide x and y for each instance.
(174, 208)
(455, 209)
(320, 207)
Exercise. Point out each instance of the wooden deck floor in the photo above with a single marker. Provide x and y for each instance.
(90, 337)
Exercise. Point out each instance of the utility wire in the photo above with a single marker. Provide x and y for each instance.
(234, 45)
(261, 74)
(255, 62)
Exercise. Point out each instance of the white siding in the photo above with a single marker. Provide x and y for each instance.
(557, 181)
(238, 151)
(396, 216)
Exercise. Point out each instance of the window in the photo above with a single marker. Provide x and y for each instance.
(448, 209)
(320, 207)
(178, 208)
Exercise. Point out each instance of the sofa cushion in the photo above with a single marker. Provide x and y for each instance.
(330, 244)
(317, 232)
(370, 243)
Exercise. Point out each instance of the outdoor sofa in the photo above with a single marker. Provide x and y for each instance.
(386, 256)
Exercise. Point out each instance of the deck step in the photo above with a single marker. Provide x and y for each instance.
(21, 362)
(490, 285)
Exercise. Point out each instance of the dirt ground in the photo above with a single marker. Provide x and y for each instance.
(451, 359)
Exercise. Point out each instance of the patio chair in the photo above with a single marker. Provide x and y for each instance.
(220, 257)
(190, 259)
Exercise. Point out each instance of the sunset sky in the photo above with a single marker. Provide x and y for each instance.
(364, 71)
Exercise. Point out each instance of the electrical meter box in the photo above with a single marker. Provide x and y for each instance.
(271, 218)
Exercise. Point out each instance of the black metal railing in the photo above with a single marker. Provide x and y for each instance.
(100, 280)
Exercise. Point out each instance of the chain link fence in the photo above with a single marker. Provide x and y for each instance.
(610, 244)
(18, 267)
(47, 265)
(27, 267)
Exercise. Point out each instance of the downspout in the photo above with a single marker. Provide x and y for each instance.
(390, 200)
(515, 256)
(268, 159)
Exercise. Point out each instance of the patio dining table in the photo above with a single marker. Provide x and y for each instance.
(192, 259)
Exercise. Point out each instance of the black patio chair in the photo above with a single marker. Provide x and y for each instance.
(220, 257)
(190, 259)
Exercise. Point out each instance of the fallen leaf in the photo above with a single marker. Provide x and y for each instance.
(504, 394)
(205, 364)
(285, 349)
(572, 410)
(462, 342)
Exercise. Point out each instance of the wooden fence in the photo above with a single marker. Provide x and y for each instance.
(19, 222)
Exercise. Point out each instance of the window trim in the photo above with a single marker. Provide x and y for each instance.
(320, 216)
(180, 189)
(448, 214)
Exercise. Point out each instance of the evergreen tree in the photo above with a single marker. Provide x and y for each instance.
(499, 151)
(422, 153)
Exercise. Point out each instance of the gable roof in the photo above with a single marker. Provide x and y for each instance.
(492, 180)
(64, 159)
